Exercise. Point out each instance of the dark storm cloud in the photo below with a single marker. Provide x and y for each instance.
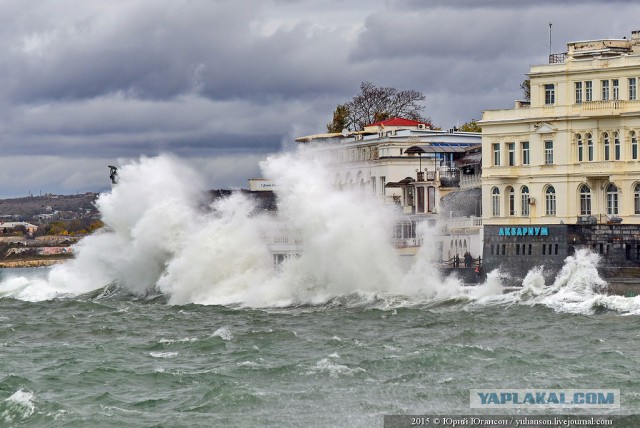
(159, 52)
(224, 82)
(503, 4)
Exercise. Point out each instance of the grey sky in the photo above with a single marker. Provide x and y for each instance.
(223, 83)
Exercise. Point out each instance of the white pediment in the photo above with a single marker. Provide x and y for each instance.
(545, 128)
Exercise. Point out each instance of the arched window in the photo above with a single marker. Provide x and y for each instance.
(495, 201)
(550, 201)
(612, 199)
(606, 144)
(617, 147)
(511, 209)
(589, 147)
(634, 145)
(580, 147)
(524, 201)
(636, 199)
(585, 200)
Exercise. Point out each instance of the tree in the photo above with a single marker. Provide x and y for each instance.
(471, 126)
(526, 89)
(374, 104)
(340, 119)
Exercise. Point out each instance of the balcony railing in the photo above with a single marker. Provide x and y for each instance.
(598, 219)
(464, 222)
(470, 181)
(603, 105)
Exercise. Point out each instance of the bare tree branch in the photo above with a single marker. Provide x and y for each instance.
(374, 104)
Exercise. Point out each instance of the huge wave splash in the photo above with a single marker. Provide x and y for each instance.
(163, 237)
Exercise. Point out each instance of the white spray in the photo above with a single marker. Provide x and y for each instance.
(158, 238)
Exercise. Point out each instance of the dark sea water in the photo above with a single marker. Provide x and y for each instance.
(173, 315)
(111, 359)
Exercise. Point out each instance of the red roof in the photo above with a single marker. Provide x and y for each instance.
(399, 121)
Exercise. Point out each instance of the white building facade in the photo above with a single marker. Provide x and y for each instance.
(407, 163)
(566, 165)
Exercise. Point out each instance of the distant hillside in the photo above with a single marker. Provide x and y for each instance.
(27, 208)
(82, 206)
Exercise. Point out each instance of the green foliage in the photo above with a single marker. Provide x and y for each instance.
(340, 119)
(471, 126)
(74, 227)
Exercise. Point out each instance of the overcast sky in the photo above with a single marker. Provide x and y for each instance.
(223, 83)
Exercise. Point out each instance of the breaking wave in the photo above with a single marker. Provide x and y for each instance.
(163, 238)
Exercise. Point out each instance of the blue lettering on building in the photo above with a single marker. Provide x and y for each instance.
(523, 231)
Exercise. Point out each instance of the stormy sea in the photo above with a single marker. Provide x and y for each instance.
(174, 315)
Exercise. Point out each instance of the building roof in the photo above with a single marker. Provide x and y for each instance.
(437, 148)
(398, 121)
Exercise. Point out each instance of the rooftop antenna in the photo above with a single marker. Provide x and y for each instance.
(550, 39)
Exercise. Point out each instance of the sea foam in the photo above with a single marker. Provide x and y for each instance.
(163, 236)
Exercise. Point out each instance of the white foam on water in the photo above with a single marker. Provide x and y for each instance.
(156, 354)
(172, 341)
(335, 369)
(160, 236)
(577, 288)
(223, 333)
(18, 406)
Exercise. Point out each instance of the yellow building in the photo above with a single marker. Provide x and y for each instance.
(568, 157)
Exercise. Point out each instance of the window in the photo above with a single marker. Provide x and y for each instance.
(578, 88)
(589, 148)
(615, 84)
(580, 147)
(549, 94)
(605, 90)
(550, 201)
(588, 91)
(585, 200)
(511, 152)
(633, 94)
(496, 154)
(617, 149)
(606, 144)
(524, 201)
(495, 201)
(636, 199)
(373, 185)
(634, 145)
(512, 201)
(525, 153)
(383, 181)
(548, 152)
(612, 199)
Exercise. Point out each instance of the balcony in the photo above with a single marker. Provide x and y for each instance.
(503, 172)
(610, 107)
(598, 219)
(464, 223)
(470, 181)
